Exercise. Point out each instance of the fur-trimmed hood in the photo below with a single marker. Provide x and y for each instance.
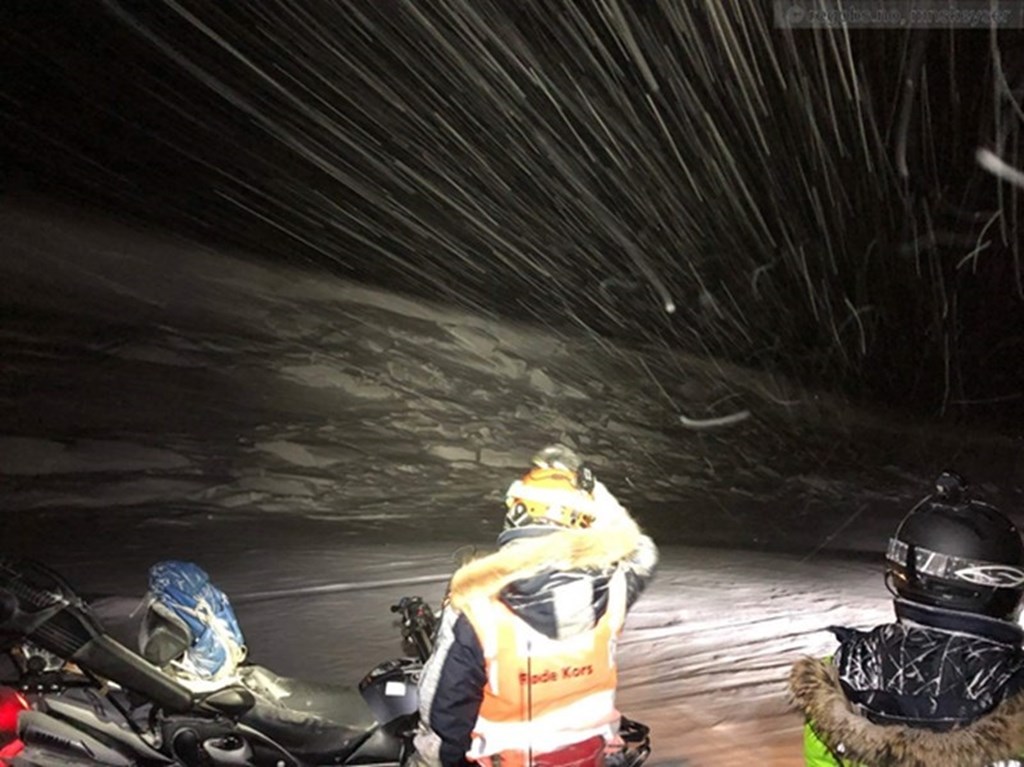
(558, 581)
(815, 687)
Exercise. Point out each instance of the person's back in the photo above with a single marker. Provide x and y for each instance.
(524, 667)
(944, 683)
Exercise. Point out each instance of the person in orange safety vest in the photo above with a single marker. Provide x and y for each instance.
(523, 672)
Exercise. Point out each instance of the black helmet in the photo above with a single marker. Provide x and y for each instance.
(955, 552)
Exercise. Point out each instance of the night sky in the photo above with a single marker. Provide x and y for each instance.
(686, 175)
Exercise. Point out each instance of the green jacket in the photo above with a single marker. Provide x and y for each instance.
(837, 736)
(816, 753)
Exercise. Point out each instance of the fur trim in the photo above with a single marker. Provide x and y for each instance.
(814, 685)
(560, 550)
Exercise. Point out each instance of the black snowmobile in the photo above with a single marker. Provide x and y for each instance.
(76, 696)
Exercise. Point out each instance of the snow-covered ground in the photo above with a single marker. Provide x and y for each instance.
(322, 448)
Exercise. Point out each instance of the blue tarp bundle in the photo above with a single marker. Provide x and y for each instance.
(217, 642)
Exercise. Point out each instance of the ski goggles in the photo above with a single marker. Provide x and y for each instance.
(974, 571)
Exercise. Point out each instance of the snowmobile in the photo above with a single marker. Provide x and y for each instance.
(73, 695)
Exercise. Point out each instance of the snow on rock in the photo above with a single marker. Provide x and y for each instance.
(323, 376)
(242, 499)
(421, 422)
(510, 459)
(424, 374)
(496, 363)
(278, 492)
(308, 487)
(301, 455)
(452, 453)
(34, 456)
(302, 373)
(619, 427)
(473, 340)
(150, 491)
(542, 382)
(158, 356)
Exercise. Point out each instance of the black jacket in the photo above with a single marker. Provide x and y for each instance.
(935, 687)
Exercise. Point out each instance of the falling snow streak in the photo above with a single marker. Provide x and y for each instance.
(803, 200)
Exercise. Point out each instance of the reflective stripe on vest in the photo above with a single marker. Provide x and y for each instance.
(542, 694)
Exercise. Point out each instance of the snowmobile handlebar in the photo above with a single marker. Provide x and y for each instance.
(418, 624)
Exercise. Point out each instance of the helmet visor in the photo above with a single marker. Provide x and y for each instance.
(974, 571)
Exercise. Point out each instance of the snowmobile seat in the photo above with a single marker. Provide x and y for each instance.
(307, 718)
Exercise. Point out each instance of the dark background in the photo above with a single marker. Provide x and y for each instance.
(572, 164)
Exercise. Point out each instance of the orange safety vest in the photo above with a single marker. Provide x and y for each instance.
(544, 694)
